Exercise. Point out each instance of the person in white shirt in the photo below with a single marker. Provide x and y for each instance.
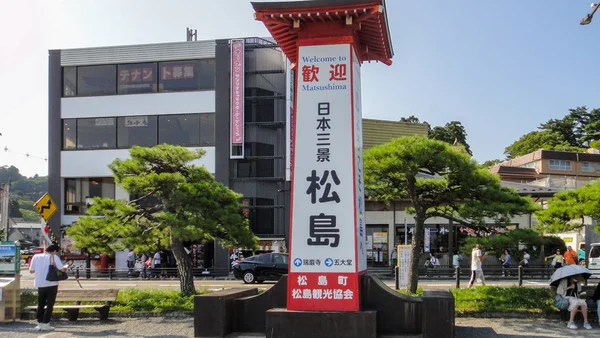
(46, 290)
(476, 270)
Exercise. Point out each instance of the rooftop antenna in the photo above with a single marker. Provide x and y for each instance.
(191, 34)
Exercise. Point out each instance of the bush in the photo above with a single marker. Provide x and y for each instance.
(136, 300)
(408, 293)
(500, 299)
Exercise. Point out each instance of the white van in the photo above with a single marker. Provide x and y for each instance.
(594, 262)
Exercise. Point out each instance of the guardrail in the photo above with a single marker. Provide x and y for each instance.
(149, 273)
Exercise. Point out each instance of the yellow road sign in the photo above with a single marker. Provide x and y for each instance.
(45, 207)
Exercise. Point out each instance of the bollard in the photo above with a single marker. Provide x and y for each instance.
(397, 277)
(77, 273)
(88, 273)
(457, 272)
(520, 275)
(110, 276)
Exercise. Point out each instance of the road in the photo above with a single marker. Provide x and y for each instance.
(214, 285)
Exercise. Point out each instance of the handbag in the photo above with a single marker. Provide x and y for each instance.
(54, 274)
(561, 302)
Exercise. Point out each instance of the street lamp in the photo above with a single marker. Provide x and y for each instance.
(586, 20)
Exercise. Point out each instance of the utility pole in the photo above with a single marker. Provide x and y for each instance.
(5, 201)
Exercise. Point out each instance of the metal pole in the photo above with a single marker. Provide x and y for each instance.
(5, 201)
(520, 275)
(457, 272)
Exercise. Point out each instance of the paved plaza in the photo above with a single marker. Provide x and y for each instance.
(181, 328)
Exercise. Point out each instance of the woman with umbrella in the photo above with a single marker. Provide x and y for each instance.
(567, 279)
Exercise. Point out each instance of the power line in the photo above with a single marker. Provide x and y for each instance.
(27, 154)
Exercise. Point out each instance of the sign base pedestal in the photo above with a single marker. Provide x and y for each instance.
(301, 324)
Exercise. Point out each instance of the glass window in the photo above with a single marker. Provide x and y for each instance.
(97, 80)
(70, 81)
(137, 78)
(137, 131)
(262, 216)
(207, 129)
(266, 258)
(80, 192)
(182, 130)
(186, 75)
(587, 167)
(69, 134)
(98, 133)
(560, 165)
(280, 259)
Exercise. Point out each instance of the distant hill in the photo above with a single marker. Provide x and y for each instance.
(24, 192)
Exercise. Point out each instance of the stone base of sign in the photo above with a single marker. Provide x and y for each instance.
(384, 310)
(214, 312)
(438, 314)
(250, 312)
(282, 323)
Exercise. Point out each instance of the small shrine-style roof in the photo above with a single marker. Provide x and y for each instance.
(284, 20)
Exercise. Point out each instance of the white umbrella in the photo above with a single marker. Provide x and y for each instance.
(568, 271)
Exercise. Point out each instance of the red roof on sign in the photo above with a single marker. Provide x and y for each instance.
(367, 19)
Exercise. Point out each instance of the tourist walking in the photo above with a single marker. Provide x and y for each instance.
(47, 290)
(557, 260)
(476, 269)
(506, 262)
(570, 256)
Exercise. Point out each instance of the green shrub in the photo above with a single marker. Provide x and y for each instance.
(408, 293)
(503, 299)
(136, 300)
(28, 299)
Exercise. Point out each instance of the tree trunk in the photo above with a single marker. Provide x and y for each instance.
(184, 267)
(417, 244)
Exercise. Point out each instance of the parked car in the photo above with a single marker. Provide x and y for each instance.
(259, 268)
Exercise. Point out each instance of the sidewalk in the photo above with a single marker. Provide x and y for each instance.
(182, 328)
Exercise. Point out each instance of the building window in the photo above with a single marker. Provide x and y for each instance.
(69, 81)
(183, 130)
(137, 131)
(257, 167)
(186, 75)
(69, 134)
(80, 193)
(530, 165)
(207, 129)
(97, 80)
(560, 165)
(587, 167)
(137, 78)
(96, 133)
(262, 216)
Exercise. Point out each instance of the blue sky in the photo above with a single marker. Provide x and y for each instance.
(499, 67)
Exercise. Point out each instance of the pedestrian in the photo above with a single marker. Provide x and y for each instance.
(157, 264)
(143, 260)
(596, 298)
(456, 259)
(570, 257)
(394, 257)
(432, 263)
(46, 290)
(130, 263)
(506, 262)
(476, 269)
(557, 260)
(570, 289)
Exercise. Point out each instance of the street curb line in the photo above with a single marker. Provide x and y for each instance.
(515, 314)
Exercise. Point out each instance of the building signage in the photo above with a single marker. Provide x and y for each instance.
(380, 237)
(404, 253)
(178, 71)
(137, 77)
(427, 239)
(237, 97)
(136, 121)
(327, 183)
(10, 257)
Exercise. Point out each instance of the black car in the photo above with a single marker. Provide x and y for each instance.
(259, 268)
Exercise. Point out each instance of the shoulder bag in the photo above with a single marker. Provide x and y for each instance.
(54, 274)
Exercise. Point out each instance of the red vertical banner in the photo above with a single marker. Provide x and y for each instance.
(326, 207)
(237, 97)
